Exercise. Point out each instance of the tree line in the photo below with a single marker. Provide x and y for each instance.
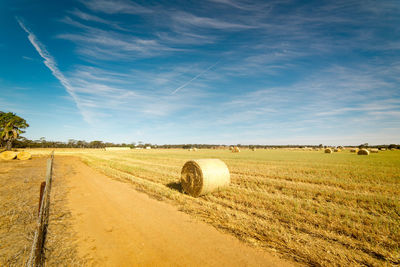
(23, 142)
(12, 126)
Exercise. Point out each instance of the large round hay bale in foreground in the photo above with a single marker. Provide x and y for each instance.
(363, 152)
(328, 150)
(24, 155)
(8, 155)
(203, 176)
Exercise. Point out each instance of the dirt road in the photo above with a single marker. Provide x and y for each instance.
(118, 226)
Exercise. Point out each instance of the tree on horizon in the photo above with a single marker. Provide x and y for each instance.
(11, 127)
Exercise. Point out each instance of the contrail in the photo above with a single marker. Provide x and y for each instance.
(52, 65)
(194, 78)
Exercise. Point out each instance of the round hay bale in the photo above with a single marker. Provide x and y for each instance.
(337, 150)
(8, 155)
(24, 155)
(354, 150)
(253, 149)
(328, 150)
(235, 150)
(363, 152)
(203, 176)
(374, 150)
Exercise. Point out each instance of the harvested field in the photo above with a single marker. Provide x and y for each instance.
(19, 193)
(314, 208)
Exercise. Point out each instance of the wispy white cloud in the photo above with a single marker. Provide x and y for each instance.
(188, 19)
(112, 41)
(185, 38)
(88, 17)
(52, 66)
(248, 6)
(373, 107)
(116, 6)
(386, 113)
(91, 18)
(105, 45)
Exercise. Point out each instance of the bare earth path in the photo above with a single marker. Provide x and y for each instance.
(118, 226)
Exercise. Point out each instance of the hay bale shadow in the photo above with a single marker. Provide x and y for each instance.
(175, 186)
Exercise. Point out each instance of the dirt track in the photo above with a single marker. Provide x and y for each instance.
(118, 226)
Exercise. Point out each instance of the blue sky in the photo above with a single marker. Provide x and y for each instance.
(217, 71)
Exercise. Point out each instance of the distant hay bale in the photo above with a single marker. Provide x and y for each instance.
(337, 150)
(24, 155)
(235, 150)
(203, 176)
(374, 150)
(115, 148)
(354, 150)
(194, 149)
(254, 149)
(231, 148)
(363, 152)
(383, 149)
(328, 150)
(8, 155)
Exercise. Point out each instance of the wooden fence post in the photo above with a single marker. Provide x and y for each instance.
(42, 186)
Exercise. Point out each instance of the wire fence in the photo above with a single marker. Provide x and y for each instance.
(36, 257)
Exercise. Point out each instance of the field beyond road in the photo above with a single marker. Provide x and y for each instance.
(311, 207)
